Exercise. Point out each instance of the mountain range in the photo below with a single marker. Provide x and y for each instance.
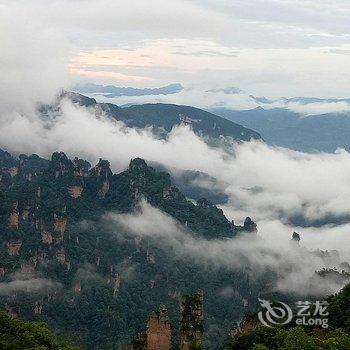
(308, 124)
(285, 128)
(161, 118)
(112, 91)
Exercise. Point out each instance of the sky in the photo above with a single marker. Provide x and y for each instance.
(273, 47)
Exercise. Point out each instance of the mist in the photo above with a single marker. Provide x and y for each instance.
(33, 59)
(261, 181)
(21, 283)
(230, 98)
(264, 182)
(293, 265)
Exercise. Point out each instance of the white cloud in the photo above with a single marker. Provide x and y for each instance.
(257, 24)
(318, 108)
(325, 18)
(32, 60)
(294, 266)
(27, 284)
(262, 71)
(190, 96)
(197, 96)
(289, 183)
(270, 48)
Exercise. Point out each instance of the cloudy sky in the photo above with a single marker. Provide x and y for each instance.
(267, 47)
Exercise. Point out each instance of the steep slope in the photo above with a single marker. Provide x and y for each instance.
(202, 122)
(163, 117)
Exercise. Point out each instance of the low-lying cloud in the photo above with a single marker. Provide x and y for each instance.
(294, 266)
(233, 99)
(269, 184)
(20, 283)
(261, 181)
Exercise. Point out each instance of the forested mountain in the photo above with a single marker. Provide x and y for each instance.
(61, 262)
(163, 117)
(283, 127)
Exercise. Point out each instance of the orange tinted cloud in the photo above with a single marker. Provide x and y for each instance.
(106, 74)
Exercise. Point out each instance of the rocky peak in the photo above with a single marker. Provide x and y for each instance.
(32, 163)
(59, 158)
(102, 175)
(248, 323)
(81, 167)
(146, 181)
(191, 320)
(60, 164)
(249, 225)
(137, 166)
(296, 238)
(6, 159)
(77, 98)
(158, 332)
(102, 169)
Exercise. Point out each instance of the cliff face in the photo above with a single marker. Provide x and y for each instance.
(13, 247)
(248, 323)
(191, 320)
(158, 333)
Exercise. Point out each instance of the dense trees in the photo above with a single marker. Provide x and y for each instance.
(16, 334)
(109, 280)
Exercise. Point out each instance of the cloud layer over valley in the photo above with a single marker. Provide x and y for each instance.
(234, 99)
(294, 266)
(274, 186)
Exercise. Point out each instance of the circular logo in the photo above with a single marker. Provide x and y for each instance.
(274, 315)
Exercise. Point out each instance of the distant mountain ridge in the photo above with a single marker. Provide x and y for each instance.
(163, 117)
(113, 91)
(308, 100)
(285, 128)
(266, 101)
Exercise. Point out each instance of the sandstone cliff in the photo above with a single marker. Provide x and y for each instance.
(158, 332)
